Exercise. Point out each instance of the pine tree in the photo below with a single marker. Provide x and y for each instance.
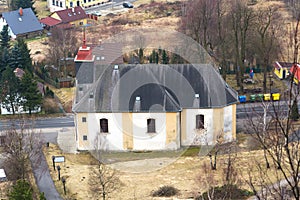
(141, 55)
(5, 38)
(165, 57)
(10, 90)
(25, 54)
(15, 59)
(31, 98)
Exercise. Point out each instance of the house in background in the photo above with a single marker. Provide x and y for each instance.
(66, 18)
(22, 23)
(281, 69)
(56, 5)
(121, 107)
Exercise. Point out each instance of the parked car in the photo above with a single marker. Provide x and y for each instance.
(249, 81)
(127, 5)
(96, 13)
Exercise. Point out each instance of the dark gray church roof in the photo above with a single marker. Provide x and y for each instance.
(25, 23)
(156, 88)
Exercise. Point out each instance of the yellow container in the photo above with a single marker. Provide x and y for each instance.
(267, 97)
(276, 96)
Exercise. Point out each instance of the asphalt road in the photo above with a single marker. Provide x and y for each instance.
(106, 6)
(42, 123)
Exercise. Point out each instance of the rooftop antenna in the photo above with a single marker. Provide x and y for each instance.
(84, 41)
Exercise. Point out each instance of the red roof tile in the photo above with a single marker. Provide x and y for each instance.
(49, 21)
(71, 14)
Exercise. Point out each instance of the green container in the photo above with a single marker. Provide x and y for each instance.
(260, 97)
(253, 97)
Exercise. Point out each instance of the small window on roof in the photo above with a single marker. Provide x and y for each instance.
(80, 88)
(91, 94)
(102, 58)
(97, 58)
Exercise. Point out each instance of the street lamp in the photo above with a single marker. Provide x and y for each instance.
(53, 163)
(58, 169)
(63, 180)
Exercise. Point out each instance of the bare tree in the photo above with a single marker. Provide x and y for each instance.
(265, 38)
(21, 144)
(198, 21)
(62, 44)
(241, 21)
(104, 180)
(281, 139)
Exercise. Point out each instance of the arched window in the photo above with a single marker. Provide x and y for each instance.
(199, 121)
(104, 125)
(151, 126)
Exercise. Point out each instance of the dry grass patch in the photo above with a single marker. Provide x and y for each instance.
(182, 173)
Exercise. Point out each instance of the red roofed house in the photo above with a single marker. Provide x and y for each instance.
(66, 18)
(295, 71)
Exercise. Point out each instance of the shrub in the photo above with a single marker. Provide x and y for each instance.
(165, 191)
(21, 190)
(50, 106)
(227, 192)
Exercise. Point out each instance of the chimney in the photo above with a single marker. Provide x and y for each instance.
(20, 11)
(73, 9)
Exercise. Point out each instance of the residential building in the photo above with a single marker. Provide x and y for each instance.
(66, 18)
(121, 107)
(21, 23)
(56, 5)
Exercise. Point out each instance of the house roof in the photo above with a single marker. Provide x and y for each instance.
(283, 65)
(159, 88)
(25, 23)
(49, 21)
(295, 69)
(108, 53)
(71, 14)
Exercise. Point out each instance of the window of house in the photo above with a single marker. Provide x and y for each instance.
(56, 3)
(53, 2)
(199, 121)
(84, 137)
(60, 4)
(80, 23)
(84, 1)
(83, 119)
(71, 4)
(151, 126)
(78, 3)
(104, 125)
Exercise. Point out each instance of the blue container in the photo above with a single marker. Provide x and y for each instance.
(242, 99)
